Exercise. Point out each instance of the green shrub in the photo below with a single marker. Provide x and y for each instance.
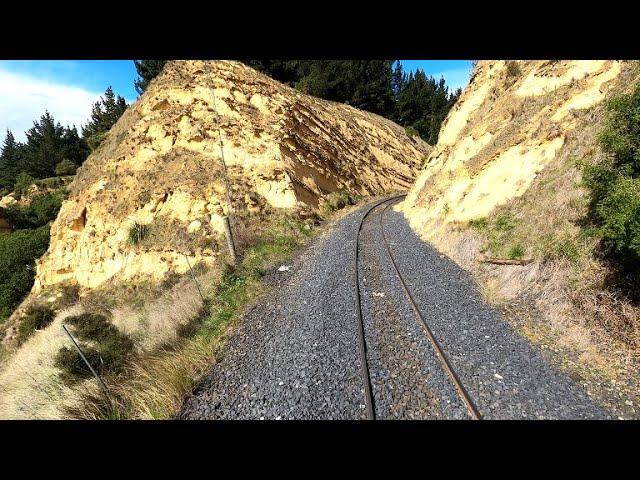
(66, 167)
(619, 212)
(615, 183)
(36, 318)
(90, 326)
(621, 136)
(412, 132)
(516, 252)
(479, 223)
(599, 178)
(43, 209)
(18, 252)
(138, 232)
(107, 353)
(22, 184)
(50, 183)
(73, 367)
(337, 201)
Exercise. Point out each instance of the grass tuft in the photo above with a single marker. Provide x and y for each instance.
(479, 223)
(516, 252)
(505, 222)
(137, 233)
(37, 317)
(105, 347)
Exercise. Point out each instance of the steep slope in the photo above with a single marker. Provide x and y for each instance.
(161, 166)
(510, 123)
(505, 181)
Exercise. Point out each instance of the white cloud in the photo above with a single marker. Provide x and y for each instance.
(25, 98)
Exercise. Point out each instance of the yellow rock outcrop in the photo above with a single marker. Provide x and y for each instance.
(511, 121)
(161, 165)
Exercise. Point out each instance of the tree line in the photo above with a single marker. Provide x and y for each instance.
(50, 150)
(53, 150)
(415, 100)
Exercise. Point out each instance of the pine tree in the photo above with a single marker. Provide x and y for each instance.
(372, 87)
(364, 84)
(104, 114)
(398, 79)
(9, 161)
(424, 103)
(43, 147)
(147, 70)
(74, 148)
(48, 143)
(288, 72)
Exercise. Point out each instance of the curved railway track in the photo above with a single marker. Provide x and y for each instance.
(440, 354)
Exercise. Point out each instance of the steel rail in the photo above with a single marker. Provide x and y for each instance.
(444, 361)
(369, 400)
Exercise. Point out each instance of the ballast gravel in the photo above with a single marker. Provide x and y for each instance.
(505, 375)
(295, 353)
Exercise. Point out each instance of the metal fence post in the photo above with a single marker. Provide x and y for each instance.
(193, 276)
(99, 380)
(229, 235)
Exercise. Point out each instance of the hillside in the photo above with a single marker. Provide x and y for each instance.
(161, 164)
(149, 203)
(504, 182)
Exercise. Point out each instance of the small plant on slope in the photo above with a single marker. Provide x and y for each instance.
(138, 232)
(516, 252)
(107, 350)
(36, 318)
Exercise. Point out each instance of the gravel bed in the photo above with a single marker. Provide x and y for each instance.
(504, 374)
(406, 377)
(294, 354)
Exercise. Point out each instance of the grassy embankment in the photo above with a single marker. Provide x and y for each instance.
(153, 384)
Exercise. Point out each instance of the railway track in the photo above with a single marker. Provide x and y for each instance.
(440, 354)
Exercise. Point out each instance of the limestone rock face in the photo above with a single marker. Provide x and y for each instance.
(160, 165)
(511, 121)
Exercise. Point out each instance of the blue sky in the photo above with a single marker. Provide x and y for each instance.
(455, 72)
(68, 88)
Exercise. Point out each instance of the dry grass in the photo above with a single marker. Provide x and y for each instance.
(151, 314)
(612, 311)
(156, 382)
(176, 335)
(29, 383)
